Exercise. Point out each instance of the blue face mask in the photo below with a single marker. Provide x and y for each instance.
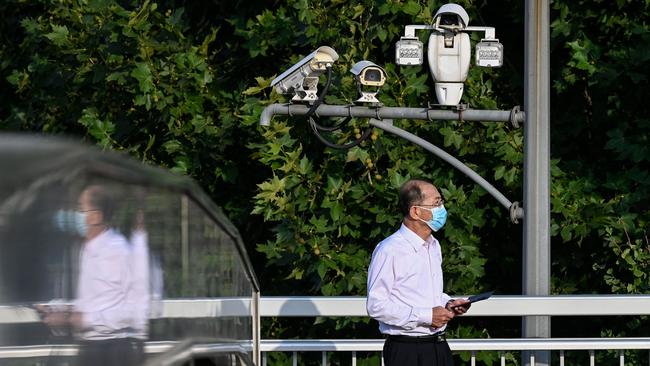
(438, 217)
(71, 221)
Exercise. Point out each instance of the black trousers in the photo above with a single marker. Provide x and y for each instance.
(111, 352)
(421, 353)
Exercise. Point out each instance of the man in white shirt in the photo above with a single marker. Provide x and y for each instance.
(405, 283)
(104, 311)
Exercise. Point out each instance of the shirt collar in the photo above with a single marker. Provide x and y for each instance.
(99, 238)
(414, 239)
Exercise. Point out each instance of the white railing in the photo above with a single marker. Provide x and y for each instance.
(592, 305)
(590, 345)
(569, 305)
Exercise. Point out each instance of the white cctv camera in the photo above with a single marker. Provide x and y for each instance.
(449, 53)
(301, 79)
(368, 74)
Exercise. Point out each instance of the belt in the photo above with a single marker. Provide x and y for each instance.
(431, 338)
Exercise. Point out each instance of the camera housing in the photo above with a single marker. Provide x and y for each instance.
(301, 79)
(367, 75)
(449, 52)
(452, 17)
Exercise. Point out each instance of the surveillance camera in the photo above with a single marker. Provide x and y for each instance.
(452, 17)
(302, 78)
(368, 74)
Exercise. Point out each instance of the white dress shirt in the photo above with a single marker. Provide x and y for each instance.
(404, 283)
(105, 280)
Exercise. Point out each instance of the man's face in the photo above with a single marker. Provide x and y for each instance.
(93, 215)
(432, 198)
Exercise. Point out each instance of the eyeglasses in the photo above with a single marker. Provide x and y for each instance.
(438, 203)
(90, 210)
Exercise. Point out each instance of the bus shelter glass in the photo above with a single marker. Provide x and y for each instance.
(93, 269)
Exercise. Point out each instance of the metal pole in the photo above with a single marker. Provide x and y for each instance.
(376, 114)
(536, 250)
(185, 239)
(516, 212)
(513, 116)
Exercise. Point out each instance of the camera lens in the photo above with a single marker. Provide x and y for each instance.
(373, 75)
(448, 19)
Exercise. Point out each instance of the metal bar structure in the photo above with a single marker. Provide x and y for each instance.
(514, 116)
(571, 305)
(381, 117)
(516, 212)
(348, 306)
(501, 346)
(562, 345)
(536, 241)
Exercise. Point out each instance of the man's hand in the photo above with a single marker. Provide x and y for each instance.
(55, 319)
(458, 306)
(440, 316)
(76, 320)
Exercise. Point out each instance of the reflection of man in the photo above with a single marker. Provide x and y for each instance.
(104, 309)
(140, 294)
(405, 284)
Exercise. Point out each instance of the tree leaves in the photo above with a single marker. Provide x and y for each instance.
(59, 35)
(184, 88)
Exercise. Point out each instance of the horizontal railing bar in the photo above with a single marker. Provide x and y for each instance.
(153, 347)
(523, 344)
(176, 308)
(335, 306)
(358, 345)
(563, 305)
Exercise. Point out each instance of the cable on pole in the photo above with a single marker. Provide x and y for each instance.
(316, 127)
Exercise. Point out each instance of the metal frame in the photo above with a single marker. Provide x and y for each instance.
(346, 306)
(363, 345)
(298, 306)
(382, 117)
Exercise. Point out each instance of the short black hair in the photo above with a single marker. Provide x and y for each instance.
(103, 199)
(410, 194)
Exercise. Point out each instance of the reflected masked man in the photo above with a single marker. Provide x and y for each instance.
(103, 312)
(405, 283)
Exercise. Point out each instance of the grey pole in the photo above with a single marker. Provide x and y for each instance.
(376, 114)
(516, 212)
(536, 250)
(514, 116)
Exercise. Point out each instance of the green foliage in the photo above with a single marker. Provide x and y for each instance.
(128, 75)
(182, 84)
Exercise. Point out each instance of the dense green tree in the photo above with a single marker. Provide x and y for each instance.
(182, 84)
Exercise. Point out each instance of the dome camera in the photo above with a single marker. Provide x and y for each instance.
(452, 17)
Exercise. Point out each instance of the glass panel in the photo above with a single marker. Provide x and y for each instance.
(113, 268)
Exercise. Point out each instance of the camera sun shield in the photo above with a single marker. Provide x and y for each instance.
(409, 51)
